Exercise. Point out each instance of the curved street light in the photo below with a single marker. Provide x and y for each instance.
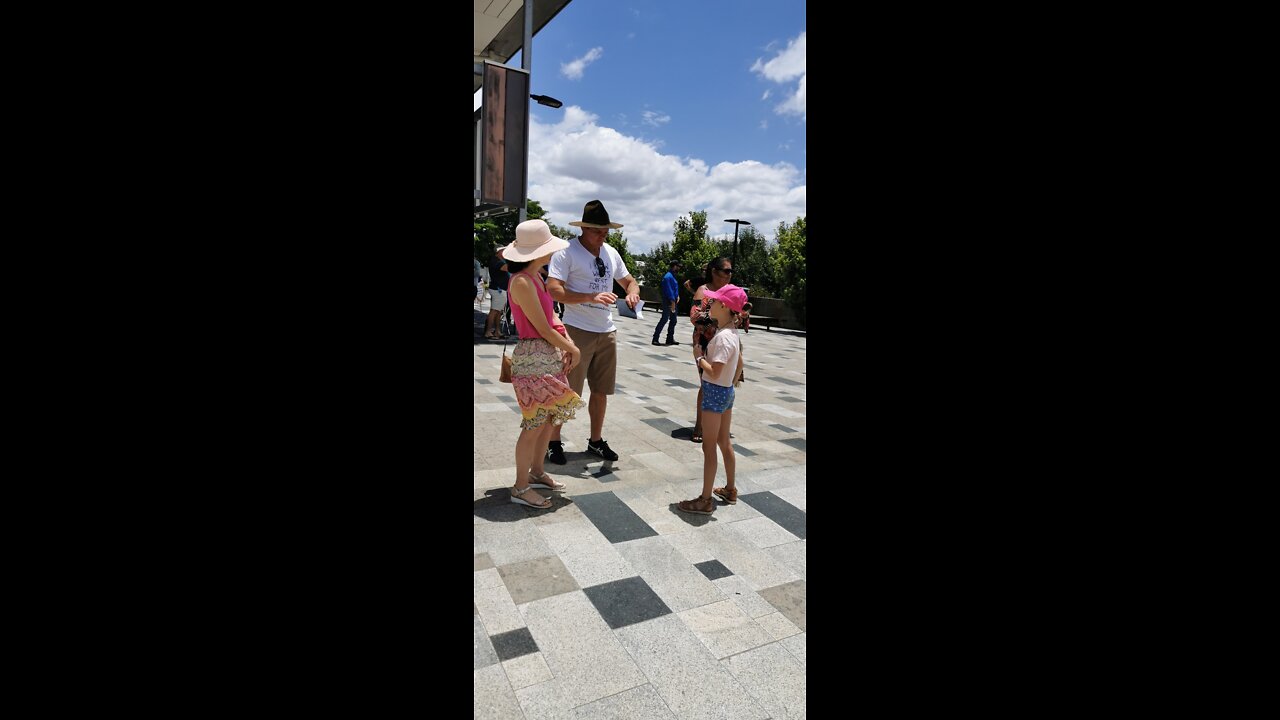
(736, 222)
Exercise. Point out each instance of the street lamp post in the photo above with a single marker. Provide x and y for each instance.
(736, 222)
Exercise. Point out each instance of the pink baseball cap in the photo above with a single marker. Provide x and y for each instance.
(731, 295)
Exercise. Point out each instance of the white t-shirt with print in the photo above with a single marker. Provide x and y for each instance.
(724, 347)
(576, 266)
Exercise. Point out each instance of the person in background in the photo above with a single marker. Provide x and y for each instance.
(670, 298)
(498, 278)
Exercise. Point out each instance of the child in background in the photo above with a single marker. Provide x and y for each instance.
(720, 366)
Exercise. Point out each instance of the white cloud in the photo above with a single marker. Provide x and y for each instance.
(574, 68)
(765, 96)
(787, 65)
(655, 119)
(577, 160)
(764, 124)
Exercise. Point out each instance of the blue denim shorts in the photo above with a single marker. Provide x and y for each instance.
(716, 398)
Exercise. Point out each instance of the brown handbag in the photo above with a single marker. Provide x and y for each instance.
(505, 375)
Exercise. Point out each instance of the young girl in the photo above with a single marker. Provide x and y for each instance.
(720, 366)
(540, 361)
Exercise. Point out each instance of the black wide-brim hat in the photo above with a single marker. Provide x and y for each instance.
(595, 216)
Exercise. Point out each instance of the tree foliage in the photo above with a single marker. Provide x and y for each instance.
(790, 265)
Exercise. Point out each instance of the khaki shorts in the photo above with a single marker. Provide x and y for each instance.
(599, 360)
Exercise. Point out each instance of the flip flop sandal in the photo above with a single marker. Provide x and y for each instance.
(515, 498)
(697, 437)
(546, 482)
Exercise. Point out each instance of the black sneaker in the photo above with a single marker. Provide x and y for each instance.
(670, 341)
(555, 452)
(655, 342)
(602, 449)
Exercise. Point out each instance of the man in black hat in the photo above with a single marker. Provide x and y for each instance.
(581, 276)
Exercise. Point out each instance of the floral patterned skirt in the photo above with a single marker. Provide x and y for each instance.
(537, 373)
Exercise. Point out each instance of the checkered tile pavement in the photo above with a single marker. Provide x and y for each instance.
(612, 604)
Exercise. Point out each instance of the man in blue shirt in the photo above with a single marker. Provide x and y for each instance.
(670, 296)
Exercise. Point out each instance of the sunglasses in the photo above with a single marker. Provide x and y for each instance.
(726, 271)
(600, 268)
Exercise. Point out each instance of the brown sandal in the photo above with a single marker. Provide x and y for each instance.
(697, 506)
(727, 494)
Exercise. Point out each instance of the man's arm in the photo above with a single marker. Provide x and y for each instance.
(562, 294)
(633, 290)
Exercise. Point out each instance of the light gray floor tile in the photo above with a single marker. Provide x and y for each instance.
(792, 555)
(483, 653)
(692, 545)
(544, 701)
(774, 678)
(670, 574)
(491, 695)
(486, 578)
(661, 462)
(763, 532)
(497, 610)
(586, 553)
(483, 561)
(694, 685)
(742, 595)
(724, 628)
(736, 551)
(797, 645)
(777, 625)
(796, 495)
(510, 542)
(640, 703)
(576, 643)
(526, 670)
(536, 579)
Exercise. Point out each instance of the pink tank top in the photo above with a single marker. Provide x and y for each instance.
(523, 326)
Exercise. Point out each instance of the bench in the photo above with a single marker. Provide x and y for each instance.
(768, 321)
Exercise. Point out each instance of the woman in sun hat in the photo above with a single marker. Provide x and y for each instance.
(540, 360)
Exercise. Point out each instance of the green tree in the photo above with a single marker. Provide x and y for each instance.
(752, 268)
(790, 265)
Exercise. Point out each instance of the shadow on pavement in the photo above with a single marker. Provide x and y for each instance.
(496, 506)
(691, 519)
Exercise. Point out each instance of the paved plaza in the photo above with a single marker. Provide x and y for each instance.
(612, 603)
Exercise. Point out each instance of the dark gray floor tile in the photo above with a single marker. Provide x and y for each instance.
(713, 569)
(788, 398)
(662, 425)
(482, 381)
(514, 644)
(612, 517)
(626, 602)
(644, 374)
(743, 451)
(654, 408)
(488, 356)
(783, 428)
(790, 517)
(784, 381)
(797, 443)
(682, 383)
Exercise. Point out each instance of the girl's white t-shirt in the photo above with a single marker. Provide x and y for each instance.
(724, 347)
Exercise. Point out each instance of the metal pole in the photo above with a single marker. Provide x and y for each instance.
(526, 63)
(735, 244)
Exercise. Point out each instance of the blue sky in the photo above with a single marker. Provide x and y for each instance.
(669, 107)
